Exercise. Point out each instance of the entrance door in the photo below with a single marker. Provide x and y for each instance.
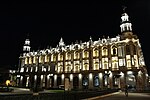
(67, 84)
(75, 82)
(51, 82)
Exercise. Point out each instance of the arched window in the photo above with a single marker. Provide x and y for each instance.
(96, 81)
(26, 60)
(104, 51)
(60, 57)
(85, 64)
(30, 60)
(85, 54)
(85, 81)
(46, 58)
(114, 50)
(35, 59)
(68, 56)
(41, 59)
(76, 55)
(96, 64)
(95, 52)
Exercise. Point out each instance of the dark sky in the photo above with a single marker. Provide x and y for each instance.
(48, 22)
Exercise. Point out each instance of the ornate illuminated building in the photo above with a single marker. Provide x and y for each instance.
(102, 64)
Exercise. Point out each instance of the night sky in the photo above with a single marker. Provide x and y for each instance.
(47, 22)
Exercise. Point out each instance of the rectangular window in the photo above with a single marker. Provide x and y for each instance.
(105, 63)
(22, 70)
(96, 64)
(114, 63)
(128, 59)
(120, 51)
(85, 64)
(136, 60)
(121, 62)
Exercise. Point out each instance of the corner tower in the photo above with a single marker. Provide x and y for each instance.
(26, 47)
(126, 26)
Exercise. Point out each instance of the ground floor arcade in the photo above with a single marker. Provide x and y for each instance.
(85, 80)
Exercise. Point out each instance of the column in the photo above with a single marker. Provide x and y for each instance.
(48, 81)
(80, 81)
(55, 81)
(122, 80)
(137, 81)
(41, 82)
(90, 81)
(110, 80)
(62, 79)
(101, 80)
(71, 81)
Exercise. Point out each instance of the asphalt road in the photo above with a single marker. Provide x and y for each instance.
(121, 96)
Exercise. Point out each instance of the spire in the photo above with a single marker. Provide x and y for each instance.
(61, 43)
(26, 47)
(126, 25)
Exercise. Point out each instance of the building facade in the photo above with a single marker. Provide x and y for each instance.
(102, 64)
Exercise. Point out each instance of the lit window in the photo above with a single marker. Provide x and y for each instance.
(95, 52)
(121, 51)
(22, 70)
(121, 62)
(104, 51)
(60, 57)
(76, 66)
(128, 59)
(30, 60)
(46, 58)
(105, 63)
(96, 64)
(60, 67)
(136, 60)
(41, 59)
(85, 54)
(68, 67)
(114, 63)
(85, 64)
(35, 59)
(53, 57)
(68, 56)
(26, 60)
(114, 50)
(76, 55)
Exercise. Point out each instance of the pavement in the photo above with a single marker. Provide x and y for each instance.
(112, 96)
(121, 96)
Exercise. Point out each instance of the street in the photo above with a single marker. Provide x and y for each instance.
(121, 96)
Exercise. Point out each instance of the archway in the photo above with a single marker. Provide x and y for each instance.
(51, 81)
(85, 82)
(75, 82)
(58, 81)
